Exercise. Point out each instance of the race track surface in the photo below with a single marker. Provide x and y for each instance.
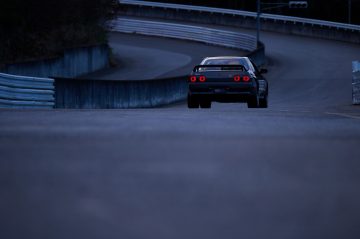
(137, 58)
(290, 171)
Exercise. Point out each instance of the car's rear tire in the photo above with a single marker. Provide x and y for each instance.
(192, 102)
(253, 102)
(205, 104)
(263, 103)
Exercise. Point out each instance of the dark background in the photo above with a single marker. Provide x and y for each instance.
(331, 10)
(44, 28)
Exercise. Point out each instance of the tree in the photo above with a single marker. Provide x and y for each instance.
(41, 28)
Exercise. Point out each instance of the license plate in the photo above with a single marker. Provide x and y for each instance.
(219, 91)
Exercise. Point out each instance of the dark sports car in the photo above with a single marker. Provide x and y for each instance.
(227, 79)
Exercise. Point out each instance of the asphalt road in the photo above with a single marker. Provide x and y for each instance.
(137, 58)
(290, 171)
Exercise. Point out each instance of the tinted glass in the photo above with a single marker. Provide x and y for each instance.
(226, 61)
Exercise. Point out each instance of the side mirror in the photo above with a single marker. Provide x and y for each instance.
(263, 71)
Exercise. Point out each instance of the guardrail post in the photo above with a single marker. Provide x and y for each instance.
(258, 22)
(349, 11)
(356, 82)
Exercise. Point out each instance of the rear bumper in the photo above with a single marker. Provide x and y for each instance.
(223, 93)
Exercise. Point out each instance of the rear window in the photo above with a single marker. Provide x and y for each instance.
(234, 61)
(223, 61)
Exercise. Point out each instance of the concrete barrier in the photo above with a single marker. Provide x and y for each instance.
(73, 63)
(356, 83)
(99, 94)
(26, 92)
(269, 22)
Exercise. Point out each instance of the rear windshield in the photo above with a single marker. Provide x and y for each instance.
(223, 61)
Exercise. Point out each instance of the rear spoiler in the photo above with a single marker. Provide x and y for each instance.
(222, 67)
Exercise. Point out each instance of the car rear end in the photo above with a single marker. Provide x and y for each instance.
(222, 84)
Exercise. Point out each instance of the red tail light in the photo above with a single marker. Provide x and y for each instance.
(202, 78)
(192, 78)
(246, 78)
(237, 78)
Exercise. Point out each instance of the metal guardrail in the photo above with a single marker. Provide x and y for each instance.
(26, 92)
(186, 32)
(356, 82)
(264, 16)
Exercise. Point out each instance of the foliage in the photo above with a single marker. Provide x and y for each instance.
(42, 28)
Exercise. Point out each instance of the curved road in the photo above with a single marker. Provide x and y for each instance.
(138, 58)
(290, 171)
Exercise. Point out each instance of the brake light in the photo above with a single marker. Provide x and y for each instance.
(193, 78)
(237, 78)
(202, 78)
(246, 78)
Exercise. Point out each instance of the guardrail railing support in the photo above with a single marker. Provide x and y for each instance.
(258, 22)
(356, 82)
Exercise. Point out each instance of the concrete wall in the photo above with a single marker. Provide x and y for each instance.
(98, 94)
(242, 21)
(73, 63)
